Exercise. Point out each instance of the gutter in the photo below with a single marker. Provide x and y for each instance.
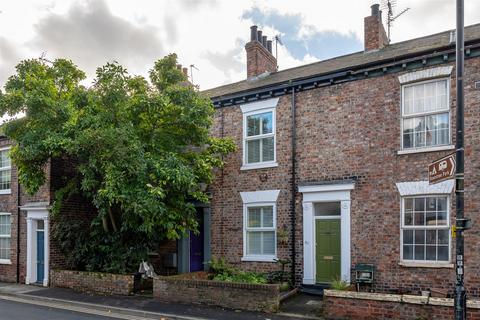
(379, 68)
(18, 229)
(294, 188)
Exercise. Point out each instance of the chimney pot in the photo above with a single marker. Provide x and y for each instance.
(264, 41)
(375, 9)
(185, 72)
(259, 36)
(269, 46)
(253, 33)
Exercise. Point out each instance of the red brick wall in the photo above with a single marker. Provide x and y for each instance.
(92, 282)
(349, 130)
(361, 309)
(259, 60)
(256, 297)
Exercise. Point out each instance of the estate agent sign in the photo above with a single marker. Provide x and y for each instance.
(442, 169)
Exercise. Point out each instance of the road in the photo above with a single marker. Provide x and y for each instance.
(10, 310)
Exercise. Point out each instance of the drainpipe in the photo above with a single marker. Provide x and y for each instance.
(18, 229)
(293, 186)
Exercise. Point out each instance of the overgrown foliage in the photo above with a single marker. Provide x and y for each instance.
(222, 271)
(141, 150)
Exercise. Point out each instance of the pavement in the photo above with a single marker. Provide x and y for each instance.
(59, 300)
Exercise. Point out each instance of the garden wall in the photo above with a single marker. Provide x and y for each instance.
(92, 282)
(369, 306)
(187, 289)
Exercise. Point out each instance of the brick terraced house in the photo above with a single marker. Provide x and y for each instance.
(331, 167)
(27, 250)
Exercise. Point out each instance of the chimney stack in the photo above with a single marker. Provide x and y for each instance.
(375, 35)
(259, 54)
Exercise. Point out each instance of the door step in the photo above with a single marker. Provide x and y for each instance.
(314, 289)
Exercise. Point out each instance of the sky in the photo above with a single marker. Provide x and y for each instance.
(209, 34)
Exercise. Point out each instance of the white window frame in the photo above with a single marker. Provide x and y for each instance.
(425, 263)
(261, 198)
(7, 261)
(255, 108)
(6, 191)
(447, 146)
(246, 229)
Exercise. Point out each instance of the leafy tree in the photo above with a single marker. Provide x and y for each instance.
(141, 150)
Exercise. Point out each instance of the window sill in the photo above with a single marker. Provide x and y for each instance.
(5, 261)
(259, 259)
(8, 191)
(434, 265)
(259, 166)
(422, 150)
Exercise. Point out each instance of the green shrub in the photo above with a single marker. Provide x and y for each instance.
(339, 284)
(242, 277)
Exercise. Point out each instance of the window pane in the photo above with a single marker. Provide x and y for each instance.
(408, 133)
(431, 236)
(5, 179)
(269, 242)
(408, 252)
(442, 204)
(442, 253)
(419, 236)
(4, 159)
(408, 102)
(430, 96)
(443, 236)
(267, 124)
(254, 217)
(408, 203)
(431, 253)
(420, 204)
(327, 209)
(442, 218)
(267, 217)
(253, 125)
(419, 218)
(419, 132)
(267, 146)
(408, 236)
(253, 151)
(431, 204)
(442, 95)
(254, 242)
(5, 248)
(408, 218)
(431, 219)
(419, 253)
(418, 103)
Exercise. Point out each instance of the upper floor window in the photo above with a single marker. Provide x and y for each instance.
(259, 138)
(5, 171)
(426, 114)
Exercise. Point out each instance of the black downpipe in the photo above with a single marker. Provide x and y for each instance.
(294, 186)
(18, 230)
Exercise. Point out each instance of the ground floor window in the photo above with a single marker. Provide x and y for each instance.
(425, 233)
(260, 231)
(5, 237)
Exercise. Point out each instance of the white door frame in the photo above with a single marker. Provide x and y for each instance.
(34, 214)
(325, 193)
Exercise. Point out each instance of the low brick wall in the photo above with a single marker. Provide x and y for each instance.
(191, 289)
(92, 282)
(369, 306)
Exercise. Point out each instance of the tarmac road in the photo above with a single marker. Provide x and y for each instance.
(10, 310)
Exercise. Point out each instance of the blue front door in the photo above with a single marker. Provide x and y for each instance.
(196, 246)
(40, 256)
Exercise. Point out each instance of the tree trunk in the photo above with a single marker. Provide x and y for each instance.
(112, 219)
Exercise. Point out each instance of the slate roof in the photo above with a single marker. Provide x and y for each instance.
(396, 50)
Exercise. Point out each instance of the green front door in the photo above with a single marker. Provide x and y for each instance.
(327, 233)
